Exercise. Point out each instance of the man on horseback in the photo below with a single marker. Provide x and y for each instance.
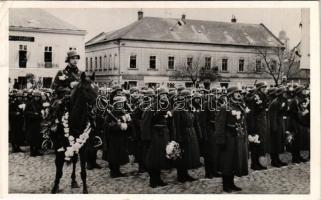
(74, 95)
(66, 79)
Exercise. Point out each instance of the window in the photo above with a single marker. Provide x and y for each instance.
(258, 66)
(224, 85)
(152, 62)
(22, 56)
(91, 64)
(95, 64)
(48, 57)
(46, 82)
(189, 61)
(132, 62)
(115, 60)
(224, 65)
(171, 62)
(208, 62)
(132, 84)
(105, 63)
(273, 65)
(241, 65)
(86, 63)
(100, 63)
(110, 60)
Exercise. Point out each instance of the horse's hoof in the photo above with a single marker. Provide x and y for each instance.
(85, 191)
(54, 189)
(74, 184)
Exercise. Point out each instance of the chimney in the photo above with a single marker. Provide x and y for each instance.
(233, 20)
(140, 15)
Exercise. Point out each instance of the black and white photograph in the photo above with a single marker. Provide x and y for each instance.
(160, 100)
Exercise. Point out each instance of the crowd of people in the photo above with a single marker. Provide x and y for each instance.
(167, 128)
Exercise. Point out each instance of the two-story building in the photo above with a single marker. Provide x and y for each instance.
(38, 43)
(150, 50)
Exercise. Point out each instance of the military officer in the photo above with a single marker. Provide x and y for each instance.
(231, 136)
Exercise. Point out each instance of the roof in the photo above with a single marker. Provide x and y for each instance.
(35, 19)
(193, 31)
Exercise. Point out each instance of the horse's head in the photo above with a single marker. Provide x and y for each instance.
(86, 89)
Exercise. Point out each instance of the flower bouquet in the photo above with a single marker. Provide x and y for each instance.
(237, 114)
(254, 139)
(168, 114)
(257, 99)
(22, 106)
(173, 151)
(288, 137)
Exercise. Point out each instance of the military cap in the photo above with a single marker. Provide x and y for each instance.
(203, 90)
(233, 89)
(215, 90)
(272, 91)
(133, 89)
(260, 85)
(180, 88)
(161, 91)
(197, 95)
(298, 89)
(149, 92)
(119, 99)
(280, 91)
(144, 88)
(172, 93)
(72, 54)
(19, 93)
(185, 93)
(36, 93)
(116, 88)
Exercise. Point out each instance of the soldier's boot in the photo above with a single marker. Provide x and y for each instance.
(183, 176)
(37, 152)
(152, 179)
(16, 148)
(208, 169)
(113, 171)
(94, 160)
(160, 182)
(255, 165)
(232, 184)
(120, 174)
(280, 161)
(296, 157)
(275, 161)
(32, 151)
(141, 168)
(226, 186)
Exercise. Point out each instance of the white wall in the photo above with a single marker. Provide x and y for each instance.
(143, 50)
(60, 45)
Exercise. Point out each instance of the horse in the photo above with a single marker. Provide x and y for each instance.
(83, 97)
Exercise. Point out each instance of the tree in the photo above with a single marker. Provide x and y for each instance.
(195, 70)
(277, 62)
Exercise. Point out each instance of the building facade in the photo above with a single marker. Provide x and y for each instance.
(149, 52)
(38, 43)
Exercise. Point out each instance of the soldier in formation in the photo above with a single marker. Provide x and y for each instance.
(173, 128)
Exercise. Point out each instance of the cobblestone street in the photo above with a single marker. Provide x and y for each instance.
(36, 175)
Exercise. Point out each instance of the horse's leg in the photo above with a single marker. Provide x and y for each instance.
(59, 162)
(83, 174)
(74, 183)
